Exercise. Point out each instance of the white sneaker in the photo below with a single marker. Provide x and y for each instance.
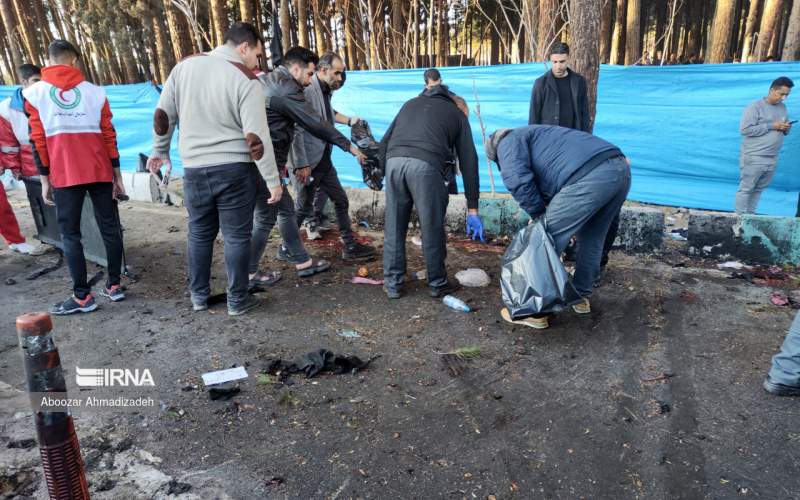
(312, 232)
(23, 247)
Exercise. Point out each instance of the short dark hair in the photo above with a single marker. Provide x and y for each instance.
(301, 56)
(432, 74)
(28, 70)
(327, 59)
(560, 48)
(782, 81)
(61, 48)
(240, 33)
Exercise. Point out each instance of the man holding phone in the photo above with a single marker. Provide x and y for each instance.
(764, 124)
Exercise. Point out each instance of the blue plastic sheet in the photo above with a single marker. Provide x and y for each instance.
(678, 124)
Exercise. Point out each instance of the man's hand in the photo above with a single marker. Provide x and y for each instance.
(118, 188)
(275, 194)
(353, 120)
(302, 175)
(474, 225)
(358, 154)
(47, 191)
(781, 126)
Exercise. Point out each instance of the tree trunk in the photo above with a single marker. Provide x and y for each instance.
(633, 41)
(319, 31)
(25, 29)
(247, 12)
(10, 71)
(695, 28)
(585, 19)
(301, 8)
(605, 30)
(442, 33)
(415, 33)
(769, 22)
(179, 31)
(286, 25)
(349, 37)
(397, 25)
(721, 35)
(661, 28)
(549, 26)
(618, 38)
(166, 60)
(791, 48)
(10, 24)
(219, 18)
(57, 19)
(779, 38)
(44, 26)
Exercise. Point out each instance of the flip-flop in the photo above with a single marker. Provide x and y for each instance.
(267, 278)
(317, 266)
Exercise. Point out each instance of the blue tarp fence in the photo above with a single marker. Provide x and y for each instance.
(679, 125)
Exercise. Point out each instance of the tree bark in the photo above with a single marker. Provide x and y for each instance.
(778, 39)
(769, 22)
(57, 20)
(415, 33)
(442, 33)
(349, 36)
(397, 25)
(179, 32)
(618, 38)
(301, 8)
(247, 12)
(695, 28)
(549, 26)
(319, 31)
(166, 59)
(605, 30)
(721, 31)
(791, 48)
(44, 26)
(585, 19)
(633, 41)
(286, 25)
(26, 24)
(219, 18)
(10, 24)
(8, 66)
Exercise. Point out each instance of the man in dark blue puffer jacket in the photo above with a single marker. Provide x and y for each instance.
(576, 180)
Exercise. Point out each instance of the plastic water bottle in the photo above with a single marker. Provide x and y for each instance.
(456, 303)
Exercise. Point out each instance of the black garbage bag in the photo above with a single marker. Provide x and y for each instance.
(372, 171)
(533, 279)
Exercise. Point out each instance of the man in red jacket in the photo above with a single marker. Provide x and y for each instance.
(75, 149)
(16, 155)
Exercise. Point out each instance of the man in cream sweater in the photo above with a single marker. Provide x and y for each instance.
(225, 144)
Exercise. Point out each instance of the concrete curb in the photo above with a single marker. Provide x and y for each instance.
(754, 239)
(641, 228)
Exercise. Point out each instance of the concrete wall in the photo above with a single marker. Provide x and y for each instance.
(752, 238)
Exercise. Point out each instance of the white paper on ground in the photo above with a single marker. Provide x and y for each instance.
(222, 376)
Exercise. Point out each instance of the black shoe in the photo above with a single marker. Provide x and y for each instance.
(283, 254)
(392, 293)
(450, 287)
(74, 305)
(356, 250)
(780, 389)
(248, 304)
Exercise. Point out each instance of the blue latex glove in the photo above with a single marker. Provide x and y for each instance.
(475, 227)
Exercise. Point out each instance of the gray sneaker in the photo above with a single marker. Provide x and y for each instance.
(247, 305)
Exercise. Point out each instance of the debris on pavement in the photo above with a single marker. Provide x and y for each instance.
(48, 269)
(418, 275)
(223, 393)
(315, 362)
(360, 280)
(457, 361)
(363, 271)
(680, 234)
(473, 277)
(416, 240)
(349, 334)
(456, 303)
(731, 264)
(782, 299)
(11, 281)
(222, 376)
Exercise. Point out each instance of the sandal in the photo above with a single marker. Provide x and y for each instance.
(267, 278)
(317, 266)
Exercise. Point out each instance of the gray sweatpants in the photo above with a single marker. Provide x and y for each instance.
(411, 182)
(586, 208)
(755, 174)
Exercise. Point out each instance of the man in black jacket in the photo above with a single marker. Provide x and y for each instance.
(286, 106)
(417, 146)
(559, 96)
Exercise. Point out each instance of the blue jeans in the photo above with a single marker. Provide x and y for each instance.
(586, 208)
(220, 197)
(264, 218)
(786, 364)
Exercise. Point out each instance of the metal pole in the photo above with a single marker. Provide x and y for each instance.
(58, 444)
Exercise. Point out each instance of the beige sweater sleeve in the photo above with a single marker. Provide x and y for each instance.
(256, 132)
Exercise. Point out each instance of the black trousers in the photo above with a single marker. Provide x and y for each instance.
(69, 207)
(411, 182)
(327, 180)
